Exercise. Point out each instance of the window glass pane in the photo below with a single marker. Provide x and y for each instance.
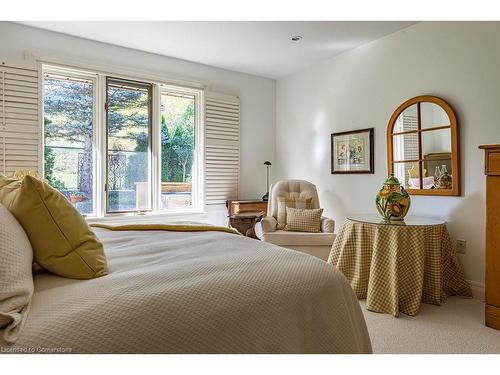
(68, 132)
(128, 146)
(177, 150)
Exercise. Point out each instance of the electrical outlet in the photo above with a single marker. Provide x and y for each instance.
(461, 244)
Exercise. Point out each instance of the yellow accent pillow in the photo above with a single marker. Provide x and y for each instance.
(61, 238)
(303, 220)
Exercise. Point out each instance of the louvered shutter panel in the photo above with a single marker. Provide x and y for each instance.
(19, 118)
(222, 148)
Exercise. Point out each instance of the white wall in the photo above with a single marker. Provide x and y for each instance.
(257, 94)
(361, 88)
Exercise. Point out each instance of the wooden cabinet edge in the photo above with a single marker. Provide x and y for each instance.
(492, 316)
(492, 312)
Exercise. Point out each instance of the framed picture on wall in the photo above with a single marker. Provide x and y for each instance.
(352, 151)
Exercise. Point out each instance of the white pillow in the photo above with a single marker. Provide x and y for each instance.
(16, 278)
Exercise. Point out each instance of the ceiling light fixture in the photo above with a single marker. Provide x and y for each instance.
(296, 38)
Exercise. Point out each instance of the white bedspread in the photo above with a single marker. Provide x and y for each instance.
(206, 292)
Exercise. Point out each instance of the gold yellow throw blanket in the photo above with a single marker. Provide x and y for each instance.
(167, 227)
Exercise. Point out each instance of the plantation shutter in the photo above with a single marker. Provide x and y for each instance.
(19, 118)
(222, 148)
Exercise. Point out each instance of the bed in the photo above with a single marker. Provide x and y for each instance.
(200, 292)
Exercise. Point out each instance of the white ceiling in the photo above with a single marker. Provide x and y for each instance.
(260, 48)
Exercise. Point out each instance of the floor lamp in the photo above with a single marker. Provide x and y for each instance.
(266, 196)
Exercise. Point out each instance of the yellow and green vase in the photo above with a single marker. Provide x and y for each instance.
(393, 201)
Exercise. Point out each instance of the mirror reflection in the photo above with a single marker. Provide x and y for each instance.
(408, 174)
(407, 120)
(405, 147)
(432, 116)
(436, 149)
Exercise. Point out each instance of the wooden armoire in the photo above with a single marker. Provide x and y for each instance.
(492, 282)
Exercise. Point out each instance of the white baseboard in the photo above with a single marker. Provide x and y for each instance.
(477, 290)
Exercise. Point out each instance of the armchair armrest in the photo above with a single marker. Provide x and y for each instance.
(266, 225)
(327, 225)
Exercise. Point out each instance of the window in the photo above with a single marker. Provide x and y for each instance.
(128, 146)
(114, 145)
(69, 137)
(178, 129)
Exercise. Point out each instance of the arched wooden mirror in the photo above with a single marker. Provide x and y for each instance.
(422, 146)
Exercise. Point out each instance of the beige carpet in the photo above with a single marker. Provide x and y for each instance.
(455, 327)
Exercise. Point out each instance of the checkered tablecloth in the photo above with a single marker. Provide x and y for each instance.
(395, 267)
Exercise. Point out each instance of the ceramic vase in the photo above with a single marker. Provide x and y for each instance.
(393, 201)
(444, 181)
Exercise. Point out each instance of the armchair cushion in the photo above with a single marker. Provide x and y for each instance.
(295, 239)
(327, 225)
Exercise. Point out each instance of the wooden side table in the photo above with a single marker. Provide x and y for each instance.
(395, 267)
(244, 214)
(250, 205)
(244, 222)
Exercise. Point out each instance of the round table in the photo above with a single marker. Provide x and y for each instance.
(397, 265)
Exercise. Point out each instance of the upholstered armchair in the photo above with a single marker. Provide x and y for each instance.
(317, 244)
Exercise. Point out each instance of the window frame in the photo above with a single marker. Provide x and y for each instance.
(137, 84)
(99, 79)
(197, 176)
